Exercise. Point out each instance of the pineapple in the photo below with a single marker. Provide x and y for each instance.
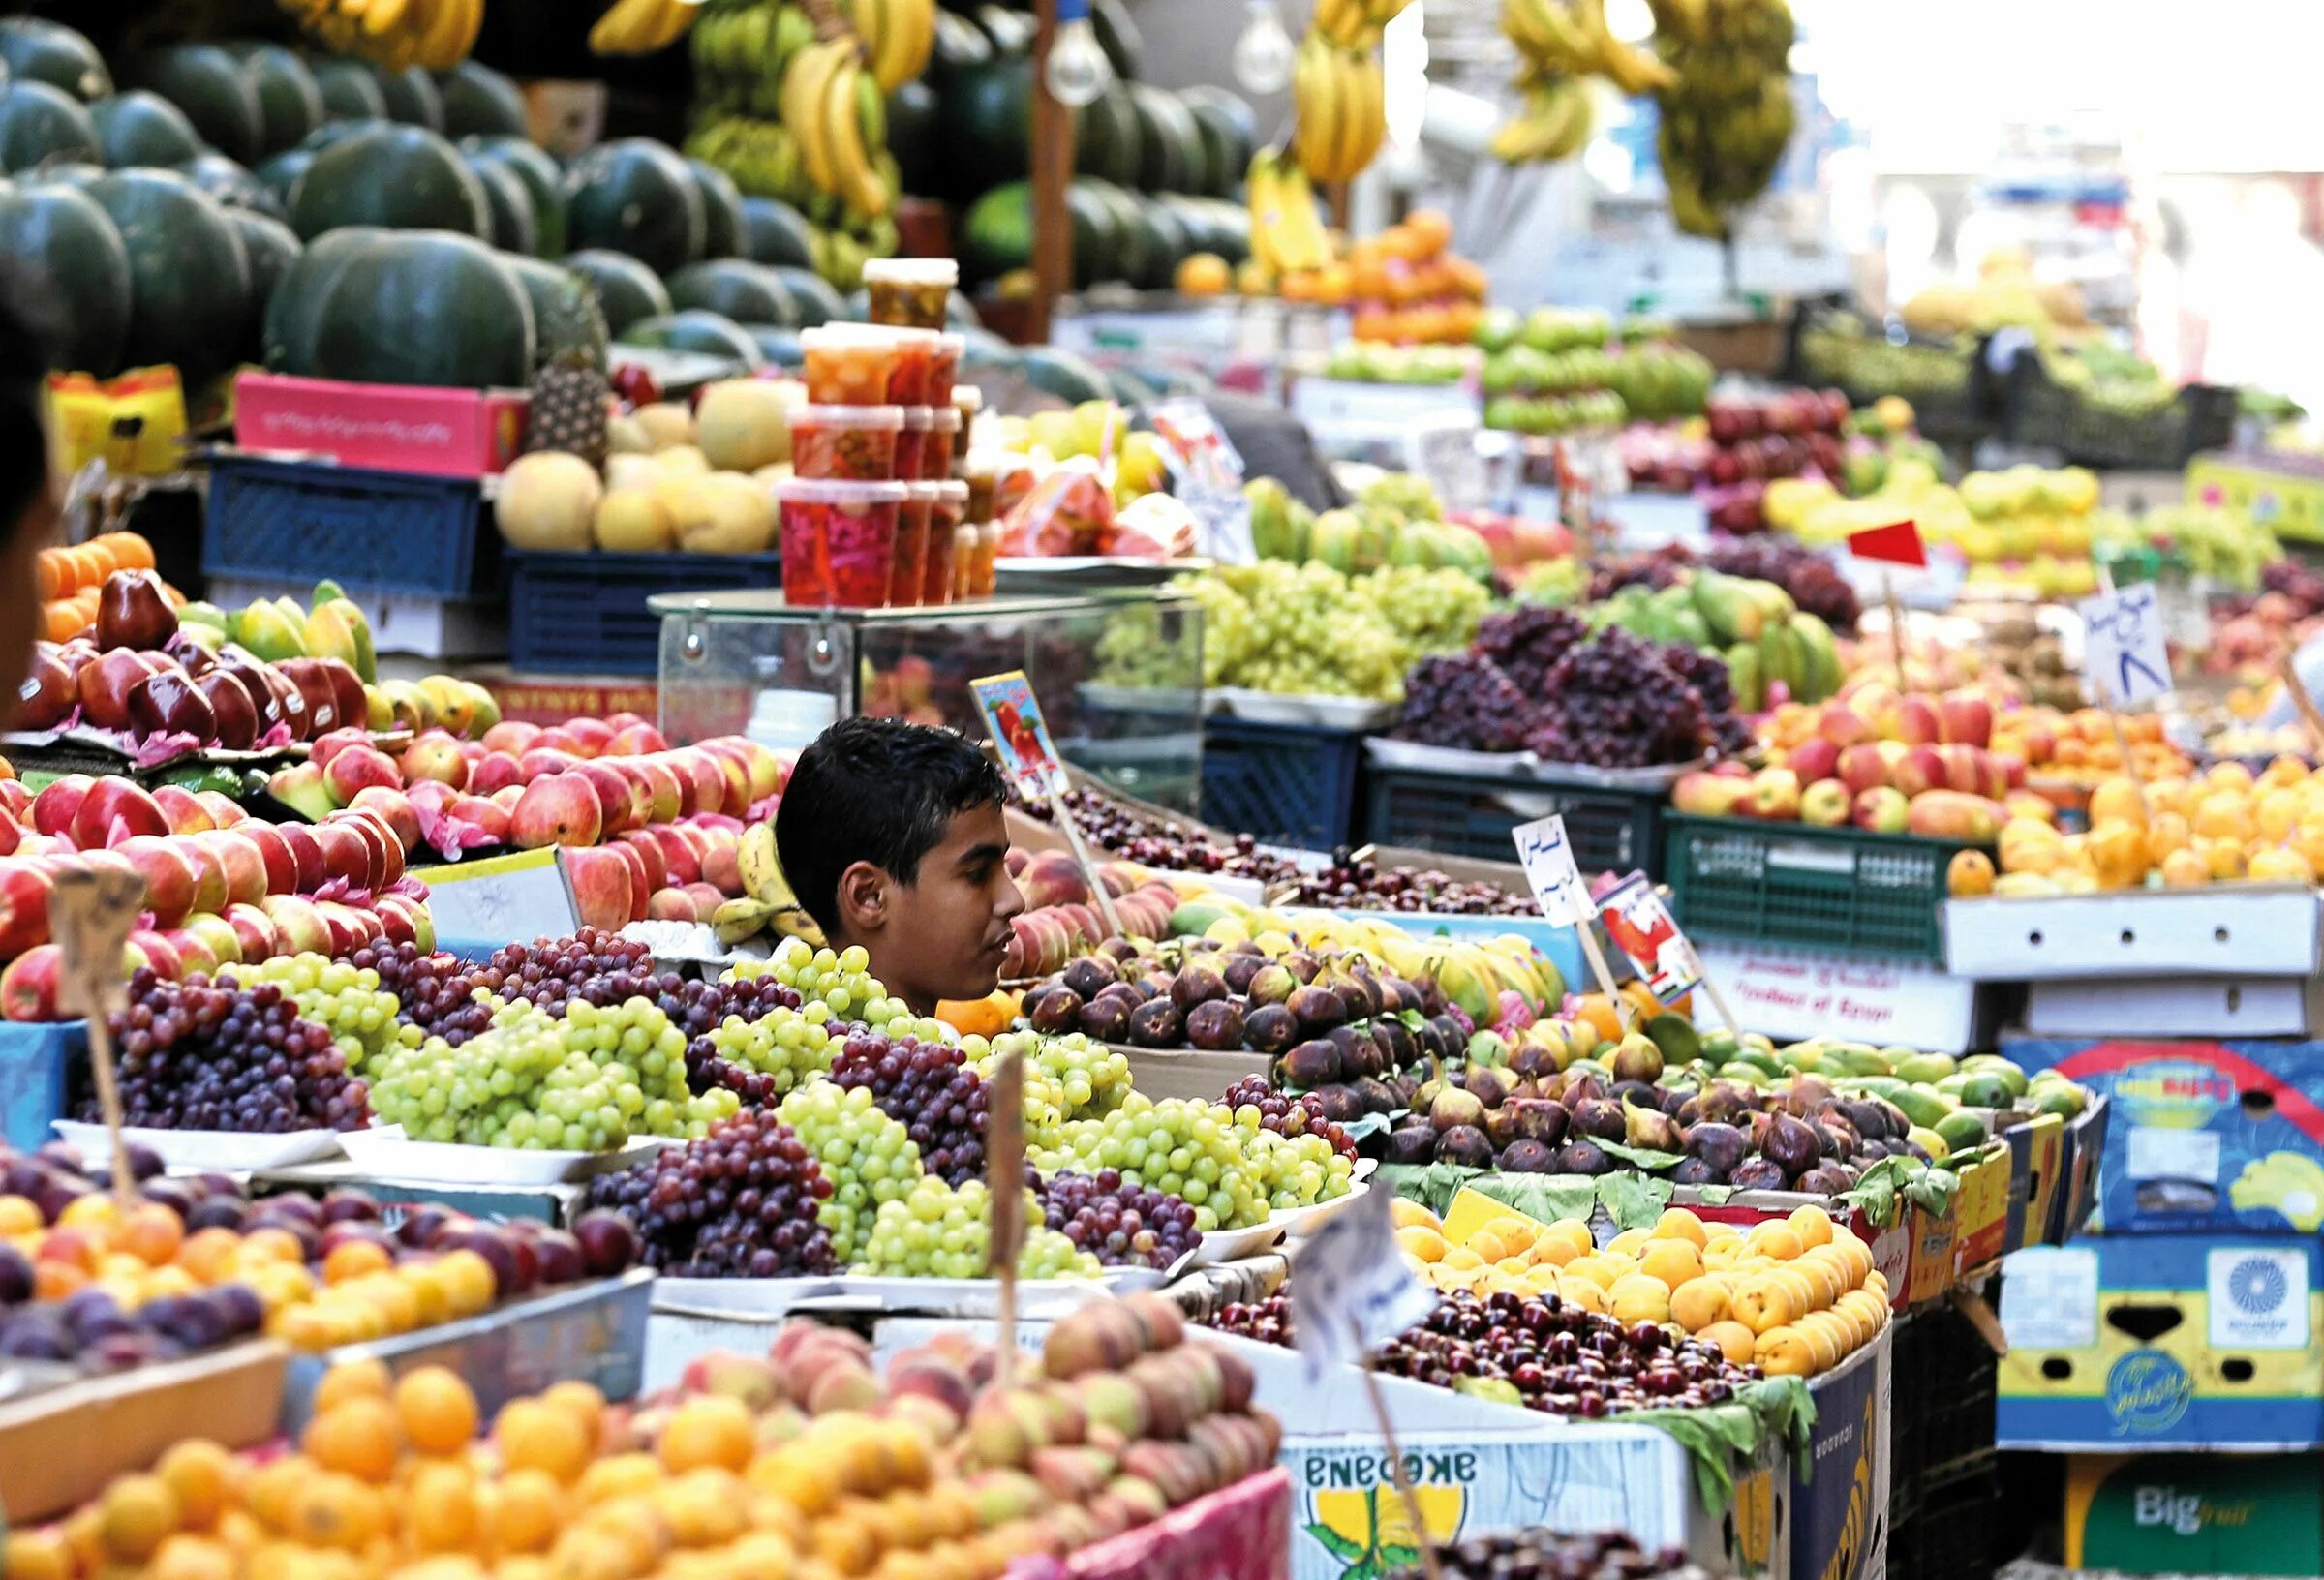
(571, 401)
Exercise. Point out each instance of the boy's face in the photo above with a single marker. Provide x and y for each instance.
(944, 934)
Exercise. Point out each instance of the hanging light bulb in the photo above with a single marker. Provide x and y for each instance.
(1262, 53)
(1078, 69)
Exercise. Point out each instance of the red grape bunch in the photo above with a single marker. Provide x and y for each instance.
(1285, 1115)
(929, 1089)
(1119, 1224)
(211, 1054)
(739, 1203)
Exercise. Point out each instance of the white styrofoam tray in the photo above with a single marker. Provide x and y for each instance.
(450, 1162)
(206, 1149)
(2255, 930)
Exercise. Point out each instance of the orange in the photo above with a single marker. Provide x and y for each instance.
(331, 1510)
(203, 1477)
(134, 1516)
(532, 1434)
(582, 1401)
(363, 1436)
(51, 574)
(365, 1378)
(714, 1429)
(1969, 876)
(129, 550)
(352, 1258)
(37, 1555)
(1598, 1010)
(532, 1508)
(437, 1410)
(54, 1280)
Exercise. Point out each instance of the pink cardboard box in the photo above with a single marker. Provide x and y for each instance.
(444, 433)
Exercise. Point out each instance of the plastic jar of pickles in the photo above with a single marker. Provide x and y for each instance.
(947, 502)
(914, 532)
(839, 541)
(932, 430)
(911, 292)
(851, 364)
(980, 469)
(849, 443)
(968, 400)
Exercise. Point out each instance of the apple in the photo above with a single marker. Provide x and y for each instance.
(542, 761)
(170, 877)
(1824, 803)
(386, 851)
(624, 803)
(52, 691)
(1918, 723)
(1965, 768)
(53, 809)
(224, 812)
(661, 784)
(1815, 758)
(1774, 795)
(306, 860)
(679, 859)
(114, 809)
(1861, 767)
(560, 738)
(639, 890)
(24, 891)
(601, 885)
(347, 933)
(298, 927)
(233, 712)
(167, 702)
(635, 740)
(28, 987)
(186, 813)
(193, 952)
(507, 796)
(358, 767)
(255, 932)
(511, 736)
(105, 686)
(394, 808)
(591, 736)
(1880, 809)
(649, 858)
(247, 879)
(493, 770)
(1842, 726)
(16, 801)
(160, 955)
(1968, 718)
(736, 768)
(209, 874)
(709, 779)
(1699, 794)
(1919, 769)
(348, 853)
(707, 898)
(406, 920)
(489, 815)
(670, 905)
(436, 755)
(558, 809)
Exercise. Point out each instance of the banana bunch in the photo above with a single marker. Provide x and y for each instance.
(1561, 42)
(1287, 230)
(1554, 123)
(768, 904)
(1727, 114)
(742, 55)
(2290, 1183)
(1355, 24)
(1339, 108)
(834, 110)
(641, 27)
(435, 34)
(899, 36)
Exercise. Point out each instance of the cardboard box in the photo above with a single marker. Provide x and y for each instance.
(1935, 1252)
(2202, 1134)
(552, 699)
(1840, 1489)
(443, 433)
(2258, 930)
(2195, 1514)
(1190, 1072)
(2084, 1140)
(2178, 1006)
(2163, 1341)
(1982, 1209)
(59, 1447)
(2036, 1163)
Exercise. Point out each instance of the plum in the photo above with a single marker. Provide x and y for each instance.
(609, 1242)
(15, 1276)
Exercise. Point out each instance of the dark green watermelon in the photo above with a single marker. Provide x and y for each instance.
(636, 196)
(38, 50)
(292, 324)
(189, 296)
(142, 127)
(1071, 379)
(1230, 132)
(60, 237)
(349, 89)
(776, 232)
(291, 103)
(1170, 145)
(568, 322)
(1118, 37)
(543, 181)
(39, 120)
(412, 98)
(70, 173)
(1111, 211)
(510, 203)
(984, 123)
(230, 184)
(711, 334)
(721, 209)
(271, 248)
(331, 133)
(403, 177)
(425, 308)
(736, 289)
(1168, 245)
(1106, 137)
(481, 102)
(813, 297)
(996, 237)
(282, 172)
(626, 289)
(207, 82)
(779, 345)
(912, 135)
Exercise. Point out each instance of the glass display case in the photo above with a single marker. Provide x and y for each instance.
(1119, 671)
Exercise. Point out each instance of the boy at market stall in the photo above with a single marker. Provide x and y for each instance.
(28, 503)
(892, 836)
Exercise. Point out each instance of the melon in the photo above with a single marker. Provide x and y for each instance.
(742, 424)
(548, 502)
(722, 513)
(666, 423)
(634, 521)
(630, 470)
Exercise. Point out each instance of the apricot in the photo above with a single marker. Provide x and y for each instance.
(714, 1429)
(536, 1435)
(1678, 1224)
(203, 1477)
(1674, 1262)
(1639, 1297)
(1582, 1293)
(1421, 1243)
(1699, 1304)
(360, 1435)
(136, 1512)
(437, 1410)
(1735, 1341)
(1777, 1239)
(1783, 1351)
(1764, 1303)
(1812, 1224)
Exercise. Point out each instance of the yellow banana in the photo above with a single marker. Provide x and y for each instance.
(1315, 100)
(381, 16)
(761, 867)
(451, 33)
(804, 87)
(1299, 236)
(843, 117)
(1547, 34)
(736, 920)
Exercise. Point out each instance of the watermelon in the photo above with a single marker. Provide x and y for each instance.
(739, 290)
(998, 235)
(984, 123)
(1071, 379)
(710, 334)
(412, 98)
(481, 102)
(230, 184)
(721, 209)
(282, 173)
(911, 135)
(40, 121)
(1229, 133)
(272, 249)
(189, 292)
(423, 308)
(1111, 211)
(70, 173)
(566, 321)
(142, 128)
(1126, 388)
(403, 177)
(60, 236)
(331, 133)
(509, 204)
(1170, 245)
(959, 47)
(1118, 37)
(37, 50)
(292, 323)
(779, 345)
(544, 182)
(349, 89)
(1011, 31)
(635, 195)
(776, 232)
(1170, 145)
(207, 84)
(1106, 137)
(291, 103)
(812, 298)
(626, 289)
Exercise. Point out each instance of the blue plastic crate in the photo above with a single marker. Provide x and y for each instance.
(1284, 784)
(585, 613)
(394, 531)
(36, 1069)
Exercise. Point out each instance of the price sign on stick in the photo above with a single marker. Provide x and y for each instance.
(2124, 658)
(1020, 736)
(90, 915)
(1896, 544)
(1640, 923)
(1547, 856)
(1004, 1185)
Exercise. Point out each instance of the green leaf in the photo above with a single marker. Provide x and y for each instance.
(1546, 1197)
(1340, 1546)
(1633, 1200)
(1644, 1157)
(1396, 1555)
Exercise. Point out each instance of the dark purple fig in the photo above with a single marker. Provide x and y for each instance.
(1054, 1010)
(1580, 1086)
(1466, 1145)
(1341, 1104)
(1375, 999)
(1635, 1091)
(1196, 985)
(1215, 1027)
(1412, 1142)
(1104, 1020)
(1397, 1045)
(1806, 1095)
(1121, 951)
(1270, 1028)
(1379, 1097)
(1790, 1144)
(1871, 1123)
(1488, 1085)
(1537, 1119)
(1091, 975)
(1240, 969)
(1694, 1172)
(1583, 1156)
(1528, 1157)
(1758, 1175)
(1311, 1064)
(1319, 1010)
(1397, 995)
(1600, 1120)
(1501, 1127)
(1824, 1179)
(1721, 1146)
(1359, 1054)
(1154, 1023)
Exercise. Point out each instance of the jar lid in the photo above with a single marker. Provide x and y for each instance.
(838, 491)
(875, 418)
(949, 491)
(921, 419)
(912, 271)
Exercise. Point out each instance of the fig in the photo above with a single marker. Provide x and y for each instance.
(1487, 1085)
(1694, 1172)
(1422, 1095)
(1375, 1000)
(1824, 1179)
(1215, 1026)
(1501, 1127)
(1240, 969)
(1128, 994)
(1837, 1136)
(1537, 1119)
(1300, 963)
(1466, 1145)
(1672, 1099)
(1152, 986)
(1456, 1110)
(1341, 1104)
(1154, 1023)
(1583, 1156)
(1531, 1060)
(1650, 1128)
(1379, 1097)
(1359, 1054)
(1871, 1125)
(1310, 1064)
(1790, 1144)
(1270, 1028)
(1599, 1118)
(1056, 1009)
(1758, 1175)
(1269, 985)
(1637, 1058)
(1528, 1157)
(1104, 1020)
(1319, 1009)
(1872, 1152)
(1091, 973)
(1635, 1091)
(1454, 1035)
(1412, 1141)
(1807, 1095)
(1397, 1045)
(1723, 1102)
(1121, 951)
(1196, 985)
(1722, 1146)
(1690, 1112)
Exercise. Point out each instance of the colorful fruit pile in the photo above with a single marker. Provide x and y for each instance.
(1745, 446)
(2181, 832)
(1556, 370)
(1537, 1553)
(1396, 520)
(71, 580)
(1406, 285)
(1775, 651)
(1309, 630)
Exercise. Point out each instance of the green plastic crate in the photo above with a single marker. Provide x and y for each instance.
(1830, 890)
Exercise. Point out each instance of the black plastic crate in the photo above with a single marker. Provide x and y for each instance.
(393, 531)
(1944, 1382)
(1955, 416)
(1953, 1530)
(1834, 890)
(585, 614)
(2045, 414)
(1284, 784)
(1472, 814)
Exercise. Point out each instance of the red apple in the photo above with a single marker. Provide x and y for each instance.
(114, 809)
(558, 809)
(347, 853)
(244, 863)
(1861, 767)
(50, 690)
(193, 952)
(331, 743)
(209, 874)
(306, 861)
(680, 862)
(397, 807)
(1815, 758)
(407, 922)
(601, 881)
(711, 790)
(105, 686)
(298, 926)
(24, 891)
(224, 812)
(169, 871)
(28, 987)
(649, 850)
(359, 767)
(662, 785)
(167, 702)
(382, 843)
(160, 956)
(1964, 768)
(234, 710)
(493, 770)
(347, 932)
(558, 738)
(436, 755)
(638, 887)
(1968, 719)
(1919, 769)
(53, 809)
(1918, 723)
(1842, 725)
(186, 813)
(511, 736)
(591, 736)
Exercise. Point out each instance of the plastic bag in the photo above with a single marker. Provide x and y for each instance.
(1151, 527)
(1066, 512)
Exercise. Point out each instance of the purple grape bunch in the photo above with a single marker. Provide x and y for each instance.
(211, 1054)
(929, 1089)
(1119, 1224)
(739, 1203)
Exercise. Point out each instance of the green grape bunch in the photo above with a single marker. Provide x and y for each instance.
(870, 1159)
(1232, 1172)
(360, 1013)
(937, 1230)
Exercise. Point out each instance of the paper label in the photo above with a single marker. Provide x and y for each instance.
(2050, 1298)
(1019, 733)
(1640, 923)
(2258, 1299)
(1548, 857)
(1351, 1290)
(2154, 1152)
(2124, 660)
(524, 894)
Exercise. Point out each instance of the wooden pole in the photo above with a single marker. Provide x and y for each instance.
(1395, 1458)
(1053, 173)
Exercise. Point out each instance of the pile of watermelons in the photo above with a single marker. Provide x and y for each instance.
(214, 205)
(1156, 170)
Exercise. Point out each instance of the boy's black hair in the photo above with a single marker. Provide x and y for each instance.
(28, 329)
(874, 790)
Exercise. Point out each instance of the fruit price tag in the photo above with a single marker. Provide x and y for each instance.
(1896, 544)
(1548, 857)
(1640, 923)
(1351, 1290)
(2124, 658)
(527, 894)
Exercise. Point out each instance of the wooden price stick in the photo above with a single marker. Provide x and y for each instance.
(1896, 629)
(90, 915)
(1004, 1183)
(1624, 1011)
(1395, 1456)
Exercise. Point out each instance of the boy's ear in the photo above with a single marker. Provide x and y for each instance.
(865, 897)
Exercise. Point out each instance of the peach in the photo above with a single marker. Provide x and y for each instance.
(559, 809)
